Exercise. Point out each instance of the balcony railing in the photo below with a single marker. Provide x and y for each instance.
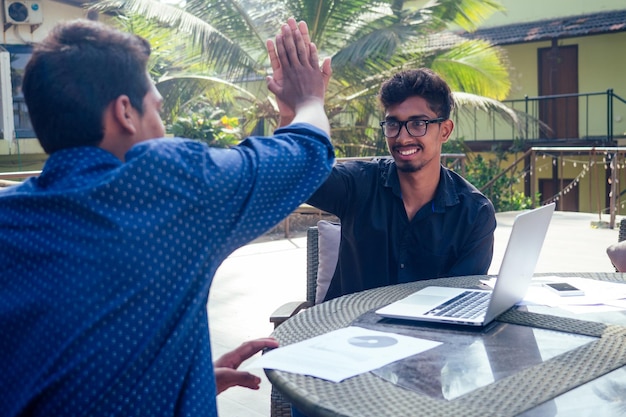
(555, 119)
(21, 119)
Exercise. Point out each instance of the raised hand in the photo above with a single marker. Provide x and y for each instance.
(226, 373)
(293, 45)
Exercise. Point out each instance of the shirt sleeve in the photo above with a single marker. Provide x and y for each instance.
(265, 178)
(476, 254)
(245, 190)
(337, 193)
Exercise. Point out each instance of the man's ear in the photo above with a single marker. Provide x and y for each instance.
(123, 113)
(446, 130)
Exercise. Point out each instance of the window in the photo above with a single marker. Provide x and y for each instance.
(20, 54)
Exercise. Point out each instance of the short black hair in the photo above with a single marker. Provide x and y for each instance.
(75, 73)
(421, 82)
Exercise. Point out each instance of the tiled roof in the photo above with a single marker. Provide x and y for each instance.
(539, 30)
(564, 27)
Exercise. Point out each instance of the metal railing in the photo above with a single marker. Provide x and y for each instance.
(555, 118)
(21, 119)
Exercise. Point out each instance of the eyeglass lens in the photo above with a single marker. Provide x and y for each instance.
(392, 128)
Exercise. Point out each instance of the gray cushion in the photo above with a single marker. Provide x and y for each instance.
(329, 235)
(617, 255)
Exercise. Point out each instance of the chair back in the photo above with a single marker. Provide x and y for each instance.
(312, 263)
(622, 230)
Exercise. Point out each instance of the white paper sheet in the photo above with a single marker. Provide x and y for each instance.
(599, 295)
(342, 353)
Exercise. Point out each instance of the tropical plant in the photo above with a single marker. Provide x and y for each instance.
(367, 40)
(502, 189)
(208, 125)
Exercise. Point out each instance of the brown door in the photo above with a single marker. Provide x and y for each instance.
(567, 200)
(558, 74)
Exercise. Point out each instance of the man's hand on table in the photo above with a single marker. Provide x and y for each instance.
(226, 373)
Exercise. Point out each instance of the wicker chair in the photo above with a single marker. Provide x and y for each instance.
(279, 407)
(287, 310)
(615, 251)
(622, 230)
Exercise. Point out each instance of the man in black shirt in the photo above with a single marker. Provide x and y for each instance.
(407, 218)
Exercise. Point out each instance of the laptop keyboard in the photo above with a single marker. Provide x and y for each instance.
(467, 305)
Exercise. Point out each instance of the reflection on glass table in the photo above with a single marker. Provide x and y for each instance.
(605, 396)
(467, 361)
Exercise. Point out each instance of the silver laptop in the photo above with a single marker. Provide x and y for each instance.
(480, 307)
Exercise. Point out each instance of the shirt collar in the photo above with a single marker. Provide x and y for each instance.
(76, 166)
(445, 195)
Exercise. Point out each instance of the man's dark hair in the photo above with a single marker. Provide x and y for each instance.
(421, 82)
(74, 74)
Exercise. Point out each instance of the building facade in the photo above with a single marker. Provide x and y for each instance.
(25, 22)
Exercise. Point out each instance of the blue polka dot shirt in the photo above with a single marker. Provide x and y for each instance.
(105, 268)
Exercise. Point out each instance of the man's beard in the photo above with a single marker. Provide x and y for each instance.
(408, 167)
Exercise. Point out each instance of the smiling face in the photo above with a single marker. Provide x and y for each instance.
(413, 154)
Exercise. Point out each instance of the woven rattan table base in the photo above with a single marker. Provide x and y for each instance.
(369, 395)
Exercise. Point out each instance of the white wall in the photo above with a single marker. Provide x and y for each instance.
(52, 12)
(519, 11)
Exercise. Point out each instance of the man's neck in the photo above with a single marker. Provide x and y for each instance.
(418, 188)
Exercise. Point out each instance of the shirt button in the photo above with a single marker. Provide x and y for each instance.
(401, 266)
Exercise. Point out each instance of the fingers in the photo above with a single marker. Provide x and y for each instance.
(304, 30)
(251, 347)
(312, 55)
(226, 378)
(297, 74)
(271, 50)
(225, 368)
(272, 86)
(235, 357)
(274, 83)
(291, 22)
(327, 71)
(303, 49)
(248, 380)
(296, 42)
(293, 45)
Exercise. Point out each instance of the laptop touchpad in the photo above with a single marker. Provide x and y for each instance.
(425, 300)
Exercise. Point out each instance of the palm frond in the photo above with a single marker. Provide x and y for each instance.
(382, 44)
(216, 48)
(169, 54)
(466, 103)
(181, 91)
(332, 21)
(468, 14)
(474, 66)
(246, 23)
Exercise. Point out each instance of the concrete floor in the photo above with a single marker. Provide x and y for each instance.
(259, 277)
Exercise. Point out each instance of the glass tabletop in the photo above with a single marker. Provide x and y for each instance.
(540, 361)
(604, 396)
(468, 360)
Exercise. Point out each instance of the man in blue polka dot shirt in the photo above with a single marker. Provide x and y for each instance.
(107, 257)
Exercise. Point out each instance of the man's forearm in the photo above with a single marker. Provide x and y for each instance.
(312, 111)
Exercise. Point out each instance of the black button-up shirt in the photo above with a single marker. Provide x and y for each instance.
(450, 236)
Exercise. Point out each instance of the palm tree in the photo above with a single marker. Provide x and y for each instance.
(367, 40)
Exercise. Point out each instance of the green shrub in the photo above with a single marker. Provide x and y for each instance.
(503, 192)
(211, 126)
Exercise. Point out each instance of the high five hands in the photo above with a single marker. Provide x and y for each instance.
(297, 76)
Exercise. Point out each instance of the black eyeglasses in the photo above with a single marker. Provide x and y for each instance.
(415, 128)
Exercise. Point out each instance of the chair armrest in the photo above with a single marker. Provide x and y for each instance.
(287, 310)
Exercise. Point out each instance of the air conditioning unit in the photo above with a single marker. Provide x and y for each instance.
(23, 12)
